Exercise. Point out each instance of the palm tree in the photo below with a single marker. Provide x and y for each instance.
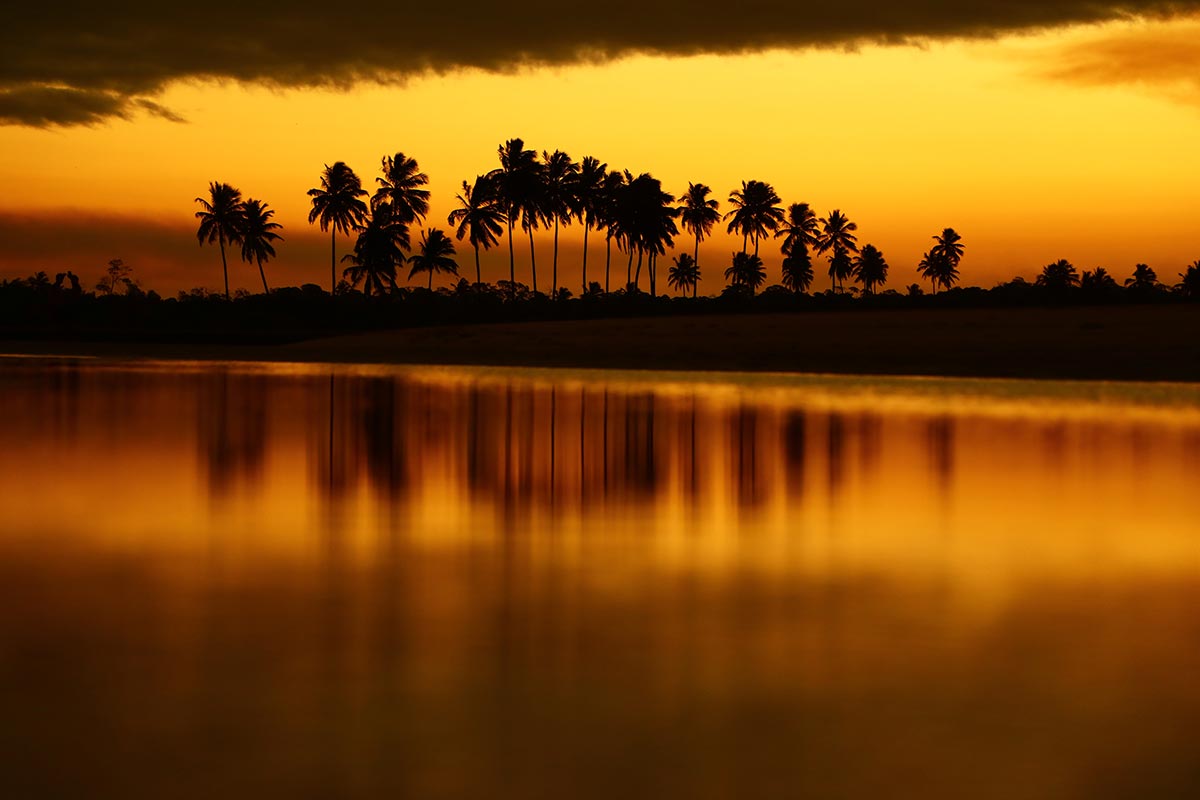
(221, 220)
(1060, 275)
(436, 254)
(938, 269)
(797, 270)
(517, 184)
(401, 188)
(478, 217)
(801, 230)
(378, 251)
(258, 231)
(684, 274)
(870, 268)
(336, 205)
(698, 214)
(558, 199)
(1144, 278)
(1097, 281)
(606, 214)
(755, 211)
(588, 190)
(837, 238)
(1190, 280)
(947, 252)
(746, 270)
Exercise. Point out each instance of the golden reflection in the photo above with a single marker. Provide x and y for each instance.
(454, 583)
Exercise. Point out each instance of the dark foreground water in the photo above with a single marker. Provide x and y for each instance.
(223, 581)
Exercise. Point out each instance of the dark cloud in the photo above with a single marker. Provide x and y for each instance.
(79, 61)
(1163, 59)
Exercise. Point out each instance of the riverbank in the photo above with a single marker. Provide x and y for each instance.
(1142, 343)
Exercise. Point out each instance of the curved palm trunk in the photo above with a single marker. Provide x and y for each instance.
(477, 278)
(430, 286)
(332, 261)
(756, 243)
(532, 261)
(696, 254)
(224, 266)
(651, 266)
(637, 276)
(629, 269)
(263, 275)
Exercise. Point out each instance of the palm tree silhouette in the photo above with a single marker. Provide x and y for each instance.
(435, 254)
(401, 188)
(938, 269)
(1189, 283)
(336, 205)
(946, 253)
(797, 270)
(1060, 275)
(684, 274)
(559, 202)
(588, 190)
(746, 270)
(870, 268)
(1098, 280)
(517, 184)
(221, 217)
(755, 211)
(1144, 278)
(606, 215)
(478, 217)
(837, 238)
(698, 214)
(258, 232)
(378, 251)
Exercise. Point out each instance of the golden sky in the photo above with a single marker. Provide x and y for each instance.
(1075, 143)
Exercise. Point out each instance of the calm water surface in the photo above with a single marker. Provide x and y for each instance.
(314, 582)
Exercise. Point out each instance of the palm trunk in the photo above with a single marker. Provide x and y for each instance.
(430, 287)
(651, 267)
(532, 261)
(477, 278)
(587, 223)
(512, 261)
(696, 255)
(607, 261)
(756, 243)
(333, 261)
(637, 276)
(629, 269)
(554, 264)
(224, 266)
(263, 275)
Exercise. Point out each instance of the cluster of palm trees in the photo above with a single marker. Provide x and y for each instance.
(1062, 275)
(551, 192)
(226, 217)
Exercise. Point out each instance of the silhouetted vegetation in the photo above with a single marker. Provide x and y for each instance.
(637, 216)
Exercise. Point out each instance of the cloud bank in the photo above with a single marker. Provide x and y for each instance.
(76, 62)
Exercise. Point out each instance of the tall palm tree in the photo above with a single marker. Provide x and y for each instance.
(838, 240)
(870, 268)
(221, 220)
(746, 270)
(336, 204)
(684, 274)
(698, 214)
(607, 215)
(378, 251)
(258, 231)
(478, 217)
(801, 230)
(1189, 283)
(755, 213)
(797, 270)
(558, 199)
(401, 187)
(588, 190)
(517, 184)
(435, 254)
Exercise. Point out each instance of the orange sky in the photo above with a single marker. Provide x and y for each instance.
(1076, 143)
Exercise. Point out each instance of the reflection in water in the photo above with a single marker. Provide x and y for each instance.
(220, 581)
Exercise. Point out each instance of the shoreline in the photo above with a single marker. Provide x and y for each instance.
(1106, 343)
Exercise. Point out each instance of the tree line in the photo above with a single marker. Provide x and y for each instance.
(528, 192)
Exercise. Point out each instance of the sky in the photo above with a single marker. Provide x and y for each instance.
(1039, 131)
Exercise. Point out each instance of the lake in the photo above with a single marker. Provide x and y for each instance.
(304, 581)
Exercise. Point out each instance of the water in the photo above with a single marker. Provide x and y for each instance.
(288, 581)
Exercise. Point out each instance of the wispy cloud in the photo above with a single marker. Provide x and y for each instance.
(78, 62)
